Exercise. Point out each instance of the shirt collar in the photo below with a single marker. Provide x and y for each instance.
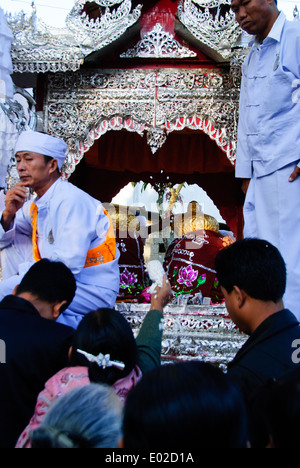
(47, 195)
(18, 303)
(275, 32)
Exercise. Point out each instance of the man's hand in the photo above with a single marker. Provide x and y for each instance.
(227, 240)
(14, 200)
(161, 296)
(294, 174)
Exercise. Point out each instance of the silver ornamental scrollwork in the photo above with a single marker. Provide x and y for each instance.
(92, 35)
(21, 119)
(82, 106)
(192, 332)
(39, 48)
(212, 22)
(158, 44)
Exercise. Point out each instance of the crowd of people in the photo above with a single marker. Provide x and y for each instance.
(99, 386)
(87, 381)
(75, 376)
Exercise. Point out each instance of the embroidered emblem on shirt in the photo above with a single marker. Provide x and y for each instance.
(276, 63)
(50, 237)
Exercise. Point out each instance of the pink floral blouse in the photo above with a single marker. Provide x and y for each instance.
(61, 383)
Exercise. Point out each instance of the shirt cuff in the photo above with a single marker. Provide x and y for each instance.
(243, 167)
(6, 236)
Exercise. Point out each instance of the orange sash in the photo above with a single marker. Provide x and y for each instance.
(33, 215)
(103, 253)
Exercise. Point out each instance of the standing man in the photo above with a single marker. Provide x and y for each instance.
(62, 223)
(268, 150)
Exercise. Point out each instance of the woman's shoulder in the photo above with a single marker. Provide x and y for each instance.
(69, 377)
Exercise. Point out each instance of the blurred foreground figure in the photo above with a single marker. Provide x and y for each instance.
(187, 405)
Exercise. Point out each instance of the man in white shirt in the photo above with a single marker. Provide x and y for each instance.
(268, 150)
(62, 223)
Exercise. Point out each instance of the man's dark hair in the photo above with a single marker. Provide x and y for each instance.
(255, 266)
(50, 281)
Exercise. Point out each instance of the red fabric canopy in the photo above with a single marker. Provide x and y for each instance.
(183, 152)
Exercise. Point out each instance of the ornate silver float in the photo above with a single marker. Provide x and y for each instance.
(192, 332)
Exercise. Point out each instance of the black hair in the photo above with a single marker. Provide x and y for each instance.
(186, 405)
(274, 412)
(50, 281)
(255, 266)
(105, 331)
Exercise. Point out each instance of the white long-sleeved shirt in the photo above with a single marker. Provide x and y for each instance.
(69, 223)
(269, 109)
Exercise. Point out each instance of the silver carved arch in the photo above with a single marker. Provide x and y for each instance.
(82, 106)
(39, 48)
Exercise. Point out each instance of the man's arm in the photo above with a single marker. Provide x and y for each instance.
(243, 168)
(150, 335)
(161, 296)
(76, 221)
(294, 67)
(245, 185)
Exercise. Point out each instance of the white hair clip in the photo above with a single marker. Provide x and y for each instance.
(102, 360)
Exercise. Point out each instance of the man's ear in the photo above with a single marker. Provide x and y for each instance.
(53, 164)
(56, 308)
(240, 296)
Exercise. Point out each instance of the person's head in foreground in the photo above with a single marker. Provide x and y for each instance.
(184, 405)
(85, 417)
(252, 275)
(49, 285)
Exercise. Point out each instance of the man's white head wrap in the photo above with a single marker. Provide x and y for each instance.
(41, 143)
